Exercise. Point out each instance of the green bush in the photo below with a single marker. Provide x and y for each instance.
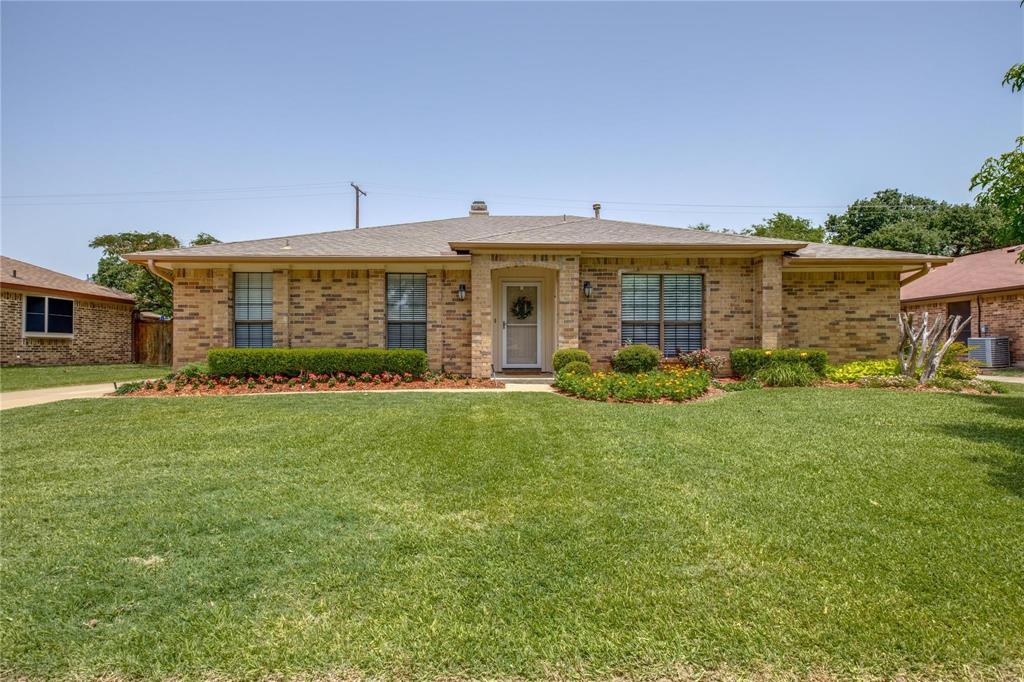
(295, 361)
(964, 371)
(887, 381)
(786, 374)
(736, 386)
(636, 358)
(642, 387)
(746, 361)
(956, 351)
(948, 384)
(576, 367)
(564, 356)
(852, 371)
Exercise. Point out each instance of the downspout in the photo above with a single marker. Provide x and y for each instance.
(155, 271)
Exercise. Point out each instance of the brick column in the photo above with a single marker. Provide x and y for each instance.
(222, 317)
(480, 290)
(376, 325)
(437, 291)
(568, 324)
(282, 303)
(770, 307)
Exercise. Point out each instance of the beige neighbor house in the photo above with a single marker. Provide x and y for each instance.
(988, 286)
(49, 318)
(482, 294)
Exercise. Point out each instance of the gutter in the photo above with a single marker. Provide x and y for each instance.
(151, 266)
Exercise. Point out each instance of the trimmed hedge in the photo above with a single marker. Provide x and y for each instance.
(746, 361)
(563, 356)
(295, 361)
(636, 358)
(576, 367)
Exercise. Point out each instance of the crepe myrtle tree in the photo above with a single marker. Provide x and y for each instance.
(922, 346)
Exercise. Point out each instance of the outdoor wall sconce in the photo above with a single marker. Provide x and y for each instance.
(462, 292)
(587, 289)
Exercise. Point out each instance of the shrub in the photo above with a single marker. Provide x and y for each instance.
(887, 381)
(636, 358)
(564, 356)
(641, 387)
(129, 387)
(784, 374)
(956, 351)
(746, 361)
(852, 371)
(576, 367)
(191, 371)
(964, 371)
(701, 359)
(947, 384)
(292, 362)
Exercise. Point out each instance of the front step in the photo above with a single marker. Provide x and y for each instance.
(525, 380)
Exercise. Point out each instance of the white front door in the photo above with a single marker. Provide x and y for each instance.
(520, 324)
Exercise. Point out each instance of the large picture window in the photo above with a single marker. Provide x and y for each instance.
(47, 315)
(664, 311)
(254, 309)
(407, 311)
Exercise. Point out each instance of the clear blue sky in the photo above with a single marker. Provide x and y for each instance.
(535, 108)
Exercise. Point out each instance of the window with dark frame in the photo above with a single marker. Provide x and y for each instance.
(48, 315)
(664, 311)
(407, 310)
(254, 309)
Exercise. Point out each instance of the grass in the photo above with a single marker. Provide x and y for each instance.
(23, 378)
(804, 531)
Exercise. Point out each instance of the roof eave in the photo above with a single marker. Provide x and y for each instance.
(961, 294)
(624, 246)
(143, 258)
(68, 293)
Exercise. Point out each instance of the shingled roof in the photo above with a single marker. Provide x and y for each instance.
(445, 239)
(995, 270)
(17, 274)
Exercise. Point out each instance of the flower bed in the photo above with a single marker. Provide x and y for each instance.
(670, 385)
(200, 383)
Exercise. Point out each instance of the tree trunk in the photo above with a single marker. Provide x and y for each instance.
(922, 347)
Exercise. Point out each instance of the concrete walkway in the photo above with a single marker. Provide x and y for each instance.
(995, 377)
(39, 396)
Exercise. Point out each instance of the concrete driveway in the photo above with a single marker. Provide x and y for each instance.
(39, 396)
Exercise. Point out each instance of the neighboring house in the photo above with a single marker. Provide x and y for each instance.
(988, 286)
(48, 318)
(482, 294)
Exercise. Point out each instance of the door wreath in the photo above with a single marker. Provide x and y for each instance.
(522, 308)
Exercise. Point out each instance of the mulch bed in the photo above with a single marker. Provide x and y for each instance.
(224, 389)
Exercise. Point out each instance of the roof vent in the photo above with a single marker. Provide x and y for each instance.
(479, 208)
(597, 211)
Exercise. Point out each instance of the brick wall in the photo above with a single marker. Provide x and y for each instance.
(102, 335)
(729, 301)
(449, 321)
(327, 309)
(203, 313)
(1003, 313)
(852, 315)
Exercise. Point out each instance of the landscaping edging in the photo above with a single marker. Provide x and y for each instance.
(170, 389)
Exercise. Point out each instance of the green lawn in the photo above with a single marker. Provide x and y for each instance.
(22, 378)
(795, 531)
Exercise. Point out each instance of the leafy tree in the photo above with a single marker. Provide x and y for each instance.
(865, 216)
(703, 227)
(905, 222)
(785, 226)
(151, 293)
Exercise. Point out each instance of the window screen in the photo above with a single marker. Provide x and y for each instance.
(254, 309)
(407, 310)
(45, 315)
(664, 311)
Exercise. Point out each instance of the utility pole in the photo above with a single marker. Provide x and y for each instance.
(358, 192)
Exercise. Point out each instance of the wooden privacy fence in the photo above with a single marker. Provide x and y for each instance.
(152, 341)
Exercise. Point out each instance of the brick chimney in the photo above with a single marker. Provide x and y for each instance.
(478, 208)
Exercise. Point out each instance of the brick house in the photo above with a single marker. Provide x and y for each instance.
(988, 286)
(482, 294)
(49, 318)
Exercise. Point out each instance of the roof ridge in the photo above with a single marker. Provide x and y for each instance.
(579, 219)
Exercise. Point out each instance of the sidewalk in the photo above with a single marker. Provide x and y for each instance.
(1009, 380)
(39, 396)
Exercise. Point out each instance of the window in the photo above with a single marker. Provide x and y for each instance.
(254, 309)
(407, 311)
(45, 315)
(664, 311)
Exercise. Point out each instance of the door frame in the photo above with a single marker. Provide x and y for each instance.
(505, 284)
